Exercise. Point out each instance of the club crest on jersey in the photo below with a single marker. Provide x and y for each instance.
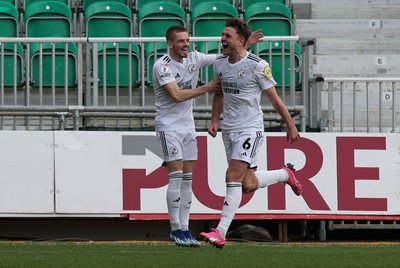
(267, 72)
(242, 74)
(173, 150)
(192, 68)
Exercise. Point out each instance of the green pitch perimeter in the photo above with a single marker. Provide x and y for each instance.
(163, 254)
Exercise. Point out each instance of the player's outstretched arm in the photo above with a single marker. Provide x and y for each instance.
(179, 95)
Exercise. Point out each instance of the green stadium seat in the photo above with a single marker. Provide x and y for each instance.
(193, 3)
(154, 20)
(276, 60)
(108, 19)
(209, 19)
(51, 19)
(9, 19)
(29, 2)
(139, 3)
(113, 19)
(273, 18)
(63, 11)
(244, 4)
(111, 56)
(12, 2)
(54, 62)
(11, 61)
(87, 3)
(156, 17)
(48, 19)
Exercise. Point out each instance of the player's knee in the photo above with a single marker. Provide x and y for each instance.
(246, 189)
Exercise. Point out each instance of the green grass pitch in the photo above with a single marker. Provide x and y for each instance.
(164, 254)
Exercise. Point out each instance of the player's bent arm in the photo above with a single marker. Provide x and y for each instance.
(279, 106)
(179, 95)
(217, 104)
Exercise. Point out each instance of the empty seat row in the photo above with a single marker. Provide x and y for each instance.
(135, 5)
(56, 64)
(49, 64)
(116, 64)
(263, 12)
(208, 18)
(42, 19)
(113, 19)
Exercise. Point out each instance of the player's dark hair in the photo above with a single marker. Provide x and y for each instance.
(241, 27)
(172, 31)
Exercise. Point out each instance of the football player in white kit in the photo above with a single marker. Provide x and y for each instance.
(244, 77)
(175, 78)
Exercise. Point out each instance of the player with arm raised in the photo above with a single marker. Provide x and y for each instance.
(244, 77)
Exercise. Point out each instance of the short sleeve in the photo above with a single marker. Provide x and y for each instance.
(264, 75)
(207, 59)
(162, 72)
(215, 74)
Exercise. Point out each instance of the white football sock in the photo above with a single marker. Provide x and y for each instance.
(186, 201)
(269, 177)
(231, 204)
(173, 198)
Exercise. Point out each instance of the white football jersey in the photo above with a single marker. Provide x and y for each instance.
(171, 115)
(242, 84)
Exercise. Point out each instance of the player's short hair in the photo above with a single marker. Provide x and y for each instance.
(171, 32)
(241, 27)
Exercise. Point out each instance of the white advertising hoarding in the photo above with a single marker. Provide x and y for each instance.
(26, 172)
(120, 173)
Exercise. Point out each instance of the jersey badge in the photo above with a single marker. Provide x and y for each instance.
(192, 68)
(165, 68)
(242, 74)
(267, 72)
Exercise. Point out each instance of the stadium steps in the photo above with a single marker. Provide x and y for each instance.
(352, 38)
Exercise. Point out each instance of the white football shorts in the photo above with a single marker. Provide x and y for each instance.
(243, 146)
(178, 144)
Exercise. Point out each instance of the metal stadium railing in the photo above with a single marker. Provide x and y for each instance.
(77, 83)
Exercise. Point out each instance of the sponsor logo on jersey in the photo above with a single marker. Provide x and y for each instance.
(267, 72)
(230, 87)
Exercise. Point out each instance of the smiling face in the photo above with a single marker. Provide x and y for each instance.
(231, 41)
(179, 46)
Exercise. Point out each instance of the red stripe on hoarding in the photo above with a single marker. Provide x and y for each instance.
(268, 217)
